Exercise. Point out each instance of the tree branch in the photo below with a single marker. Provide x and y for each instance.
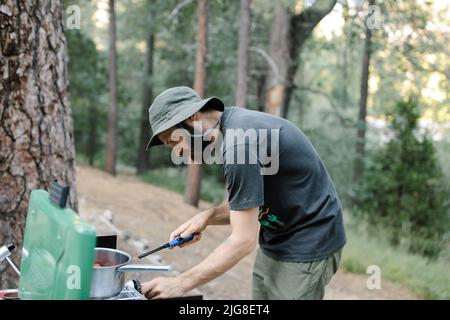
(306, 21)
(177, 8)
(270, 62)
(343, 120)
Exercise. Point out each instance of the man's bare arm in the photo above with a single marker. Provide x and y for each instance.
(213, 216)
(240, 243)
(219, 215)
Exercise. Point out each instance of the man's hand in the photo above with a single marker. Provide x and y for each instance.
(163, 288)
(196, 224)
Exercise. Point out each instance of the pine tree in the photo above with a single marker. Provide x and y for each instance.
(404, 192)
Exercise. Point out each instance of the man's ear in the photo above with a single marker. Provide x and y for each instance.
(195, 117)
(190, 121)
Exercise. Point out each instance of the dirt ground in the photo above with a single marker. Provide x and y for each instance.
(143, 216)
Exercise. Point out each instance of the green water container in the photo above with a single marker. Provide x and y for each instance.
(58, 252)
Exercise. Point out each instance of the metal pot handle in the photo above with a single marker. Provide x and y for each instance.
(143, 268)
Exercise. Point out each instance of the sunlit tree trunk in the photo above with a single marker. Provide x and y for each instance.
(289, 32)
(36, 131)
(244, 44)
(279, 52)
(111, 143)
(192, 192)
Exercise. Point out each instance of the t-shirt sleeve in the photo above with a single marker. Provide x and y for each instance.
(245, 184)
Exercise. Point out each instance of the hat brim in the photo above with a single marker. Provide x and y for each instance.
(190, 110)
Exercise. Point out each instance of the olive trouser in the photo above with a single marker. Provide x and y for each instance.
(291, 280)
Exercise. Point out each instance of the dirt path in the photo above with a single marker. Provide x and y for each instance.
(145, 215)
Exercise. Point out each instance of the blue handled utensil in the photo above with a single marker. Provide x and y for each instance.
(174, 243)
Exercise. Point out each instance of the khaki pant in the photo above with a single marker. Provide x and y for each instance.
(277, 280)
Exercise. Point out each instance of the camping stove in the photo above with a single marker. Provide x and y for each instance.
(129, 292)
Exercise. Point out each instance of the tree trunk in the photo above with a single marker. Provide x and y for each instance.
(91, 145)
(289, 33)
(260, 91)
(364, 91)
(192, 192)
(111, 144)
(279, 53)
(244, 44)
(147, 97)
(345, 56)
(36, 133)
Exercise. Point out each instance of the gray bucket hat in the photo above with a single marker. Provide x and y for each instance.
(173, 106)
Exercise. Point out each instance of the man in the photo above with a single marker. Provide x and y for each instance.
(291, 196)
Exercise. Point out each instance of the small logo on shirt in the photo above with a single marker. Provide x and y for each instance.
(269, 221)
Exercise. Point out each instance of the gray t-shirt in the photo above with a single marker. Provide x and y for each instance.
(299, 210)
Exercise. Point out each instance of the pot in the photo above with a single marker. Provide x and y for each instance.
(108, 278)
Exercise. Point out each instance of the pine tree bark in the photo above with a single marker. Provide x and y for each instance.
(244, 44)
(111, 144)
(364, 92)
(193, 179)
(289, 33)
(36, 131)
(147, 97)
